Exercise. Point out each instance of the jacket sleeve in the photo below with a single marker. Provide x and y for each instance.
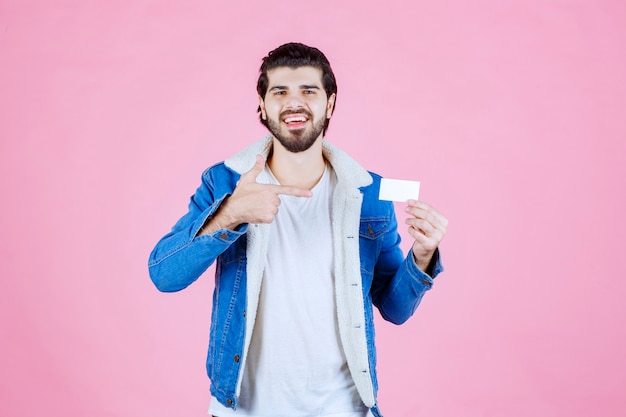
(398, 284)
(180, 257)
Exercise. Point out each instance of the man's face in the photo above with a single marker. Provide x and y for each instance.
(296, 106)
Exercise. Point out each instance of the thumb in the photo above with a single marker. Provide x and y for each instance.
(254, 172)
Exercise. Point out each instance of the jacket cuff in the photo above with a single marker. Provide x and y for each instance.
(224, 236)
(434, 268)
(220, 236)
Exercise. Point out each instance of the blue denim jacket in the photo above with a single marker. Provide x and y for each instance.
(370, 269)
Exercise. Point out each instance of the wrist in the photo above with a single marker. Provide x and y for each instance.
(422, 262)
(222, 219)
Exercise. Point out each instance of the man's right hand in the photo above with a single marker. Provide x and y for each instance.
(251, 202)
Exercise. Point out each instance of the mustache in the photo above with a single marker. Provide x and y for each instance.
(304, 111)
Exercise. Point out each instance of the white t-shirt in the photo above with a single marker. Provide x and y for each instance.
(296, 366)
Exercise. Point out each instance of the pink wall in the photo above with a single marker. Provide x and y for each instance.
(511, 113)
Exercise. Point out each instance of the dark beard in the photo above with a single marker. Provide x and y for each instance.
(299, 140)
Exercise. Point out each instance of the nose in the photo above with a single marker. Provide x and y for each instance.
(294, 101)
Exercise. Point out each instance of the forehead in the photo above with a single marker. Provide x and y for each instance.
(294, 76)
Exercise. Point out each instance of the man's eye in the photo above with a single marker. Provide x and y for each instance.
(279, 93)
(309, 91)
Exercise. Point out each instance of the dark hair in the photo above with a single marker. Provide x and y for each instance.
(295, 55)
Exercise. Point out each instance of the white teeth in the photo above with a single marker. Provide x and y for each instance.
(295, 119)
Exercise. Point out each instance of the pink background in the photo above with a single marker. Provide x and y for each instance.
(511, 113)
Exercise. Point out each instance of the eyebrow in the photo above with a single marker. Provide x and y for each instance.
(302, 87)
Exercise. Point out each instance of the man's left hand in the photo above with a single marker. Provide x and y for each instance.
(427, 226)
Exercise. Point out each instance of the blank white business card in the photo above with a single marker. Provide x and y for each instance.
(399, 190)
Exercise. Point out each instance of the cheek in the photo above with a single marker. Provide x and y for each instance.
(325, 111)
(272, 110)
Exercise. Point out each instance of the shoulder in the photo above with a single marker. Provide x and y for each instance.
(218, 170)
(220, 176)
(372, 205)
(372, 189)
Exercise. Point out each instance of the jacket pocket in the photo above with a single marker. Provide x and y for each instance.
(370, 232)
(373, 228)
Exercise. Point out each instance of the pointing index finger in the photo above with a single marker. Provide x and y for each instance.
(292, 191)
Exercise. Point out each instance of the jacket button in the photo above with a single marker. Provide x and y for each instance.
(229, 402)
(370, 230)
(425, 282)
(223, 235)
(244, 313)
(236, 358)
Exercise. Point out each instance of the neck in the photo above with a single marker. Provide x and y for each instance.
(302, 169)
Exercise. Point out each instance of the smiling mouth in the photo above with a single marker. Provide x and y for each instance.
(295, 120)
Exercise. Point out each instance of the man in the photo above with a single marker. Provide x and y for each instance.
(304, 248)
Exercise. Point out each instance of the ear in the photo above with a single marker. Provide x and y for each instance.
(330, 106)
(262, 107)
